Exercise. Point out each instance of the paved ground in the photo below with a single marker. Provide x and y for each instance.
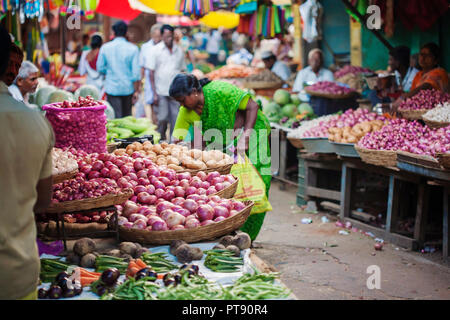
(316, 262)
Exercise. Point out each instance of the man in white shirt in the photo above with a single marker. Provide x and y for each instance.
(213, 46)
(165, 62)
(25, 83)
(146, 52)
(277, 67)
(312, 74)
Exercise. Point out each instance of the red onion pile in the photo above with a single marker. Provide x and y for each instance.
(349, 118)
(413, 137)
(178, 214)
(329, 87)
(348, 69)
(425, 100)
(80, 188)
(81, 129)
(85, 217)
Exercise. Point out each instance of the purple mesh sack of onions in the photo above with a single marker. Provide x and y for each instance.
(78, 125)
(425, 100)
(413, 137)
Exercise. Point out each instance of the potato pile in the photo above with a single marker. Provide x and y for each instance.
(178, 158)
(355, 133)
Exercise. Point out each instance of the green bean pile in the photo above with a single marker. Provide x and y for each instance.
(219, 260)
(191, 288)
(158, 262)
(143, 289)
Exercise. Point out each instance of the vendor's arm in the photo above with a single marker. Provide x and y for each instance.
(152, 82)
(298, 83)
(101, 62)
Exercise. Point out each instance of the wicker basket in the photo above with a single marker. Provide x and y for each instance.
(435, 124)
(229, 192)
(204, 233)
(382, 158)
(222, 170)
(72, 230)
(91, 203)
(331, 96)
(444, 160)
(262, 84)
(111, 147)
(413, 114)
(64, 176)
(297, 143)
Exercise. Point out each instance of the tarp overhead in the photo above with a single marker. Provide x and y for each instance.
(166, 7)
(119, 9)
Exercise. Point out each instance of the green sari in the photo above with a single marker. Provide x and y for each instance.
(222, 100)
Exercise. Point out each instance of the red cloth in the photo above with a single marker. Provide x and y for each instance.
(117, 9)
(93, 62)
(421, 13)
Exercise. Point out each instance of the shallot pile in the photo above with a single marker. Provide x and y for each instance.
(350, 70)
(329, 87)
(413, 137)
(305, 126)
(349, 118)
(81, 129)
(63, 161)
(425, 100)
(79, 188)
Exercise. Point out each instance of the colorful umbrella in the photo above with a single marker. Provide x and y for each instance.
(119, 9)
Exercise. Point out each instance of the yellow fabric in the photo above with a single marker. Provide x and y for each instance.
(187, 118)
(162, 7)
(31, 296)
(27, 142)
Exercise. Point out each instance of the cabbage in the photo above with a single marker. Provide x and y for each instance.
(282, 97)
(295, 99)
(59, 96)
(305, 108)
(289, 110)
(272, 111)
(87, 90)
(41, 96)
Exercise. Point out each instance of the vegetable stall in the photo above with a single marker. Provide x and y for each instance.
(387, 174)
(146, 194)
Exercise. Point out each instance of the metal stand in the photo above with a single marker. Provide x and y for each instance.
(60, 219)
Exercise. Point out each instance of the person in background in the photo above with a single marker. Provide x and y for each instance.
(241, 54)
(15, 62)
(88, 63)
(399, 62)
(146, 52)
(432, 76)
(284, 49)
(164, 64)
(25, 184)
(25, 83)
(214, 38)
(313, 73)
(118, 60)
(222, 106)
(184, 43)
(276, 66)
(85, 42)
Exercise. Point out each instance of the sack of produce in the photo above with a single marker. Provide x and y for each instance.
(79, 124)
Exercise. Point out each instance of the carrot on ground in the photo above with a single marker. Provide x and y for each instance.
(140, 263)
(87, 281)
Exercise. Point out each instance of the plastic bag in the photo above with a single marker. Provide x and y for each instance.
(250, 186)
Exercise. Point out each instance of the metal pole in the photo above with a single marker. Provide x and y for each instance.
(363, 21)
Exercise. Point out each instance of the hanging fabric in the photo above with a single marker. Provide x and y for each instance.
(311, 12)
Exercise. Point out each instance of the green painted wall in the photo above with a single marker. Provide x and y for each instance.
(375, 54)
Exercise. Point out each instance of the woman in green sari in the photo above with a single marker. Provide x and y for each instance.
(218, 111)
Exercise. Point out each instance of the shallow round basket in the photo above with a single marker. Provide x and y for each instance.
(331, 96)
(435, 124)
(262, 84)
(91, 203)
(64, 176)
(296, 143)
(444, 160)
(72, 230)
(228, 192)
(382, 158)
(413, 114)
(204, 233)
(222, 170)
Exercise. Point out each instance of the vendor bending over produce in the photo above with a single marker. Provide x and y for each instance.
(222, 106)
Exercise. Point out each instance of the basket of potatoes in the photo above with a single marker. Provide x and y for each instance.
(344, 139)
(181, 158)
